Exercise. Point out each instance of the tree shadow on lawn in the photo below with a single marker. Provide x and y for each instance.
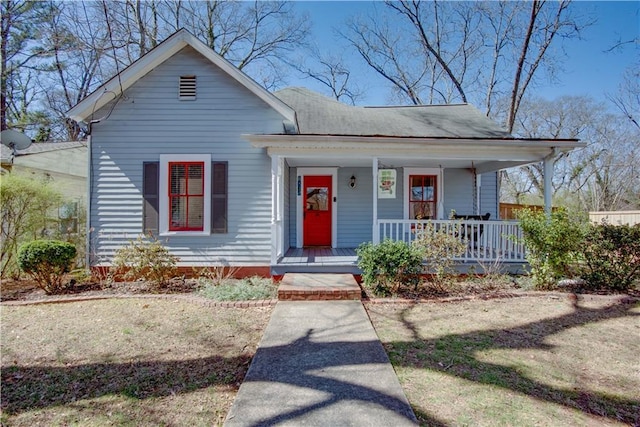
(31, 387)
(454, 355)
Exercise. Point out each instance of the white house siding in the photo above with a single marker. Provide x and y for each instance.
(150, 120)
(489, 197)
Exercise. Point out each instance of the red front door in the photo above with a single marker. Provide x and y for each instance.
(317, 211)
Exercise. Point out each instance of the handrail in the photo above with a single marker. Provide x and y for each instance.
(487, 240)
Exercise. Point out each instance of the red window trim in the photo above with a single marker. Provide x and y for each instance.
(185, 196)
(435, 194)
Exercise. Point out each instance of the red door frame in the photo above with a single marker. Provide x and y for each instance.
(317, 210)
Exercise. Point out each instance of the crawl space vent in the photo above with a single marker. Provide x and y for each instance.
(187, 88)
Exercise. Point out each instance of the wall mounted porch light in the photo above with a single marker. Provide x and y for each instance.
(352, 181)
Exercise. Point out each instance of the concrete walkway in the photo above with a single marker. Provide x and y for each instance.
(320, 363)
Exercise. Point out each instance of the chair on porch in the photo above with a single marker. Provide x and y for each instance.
(472, 232)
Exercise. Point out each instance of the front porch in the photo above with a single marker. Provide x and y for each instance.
(488, 243)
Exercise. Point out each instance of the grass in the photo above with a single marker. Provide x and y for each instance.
(124, 362)
(253, 288)
(519, 361)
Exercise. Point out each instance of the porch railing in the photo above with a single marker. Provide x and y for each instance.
(491, 241)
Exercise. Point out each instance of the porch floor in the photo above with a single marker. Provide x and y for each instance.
(307, 286)
(318, 260)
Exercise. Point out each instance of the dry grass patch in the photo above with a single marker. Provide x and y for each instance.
(124, 362)
(520, 361)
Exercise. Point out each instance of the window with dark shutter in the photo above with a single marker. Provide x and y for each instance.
(219, 173)
(187, 91)
(150, 194)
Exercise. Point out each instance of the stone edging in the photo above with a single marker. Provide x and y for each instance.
(502, 295)
(272, 302)
(187, 298)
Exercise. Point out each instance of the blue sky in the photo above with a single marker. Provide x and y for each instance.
(587, 68)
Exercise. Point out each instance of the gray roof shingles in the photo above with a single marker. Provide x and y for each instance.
(319, 115)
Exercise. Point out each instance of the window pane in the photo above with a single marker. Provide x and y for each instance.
(177, 178)
(422, 210)
(196, 213)
(317, 198)
(178, 213)
(416, 188)
(196, 179)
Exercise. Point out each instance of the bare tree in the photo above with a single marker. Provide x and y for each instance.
(20, 54)
(462, 51)
(543, 27)
(627, 100)
(72, 47)
(602, 176)
(426, 60)
(331, 72)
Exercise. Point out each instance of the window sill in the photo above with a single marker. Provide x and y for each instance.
(184, 233)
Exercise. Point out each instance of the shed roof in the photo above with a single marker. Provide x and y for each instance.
(319, 115)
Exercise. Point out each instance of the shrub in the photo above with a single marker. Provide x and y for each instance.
(25, 204)
(552, 245)
(439, 247)
(611, 257)
(388, 265)
(145, 259)
(253, 288)
(46, 261)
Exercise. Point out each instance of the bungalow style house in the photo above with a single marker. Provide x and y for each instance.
(185, 146)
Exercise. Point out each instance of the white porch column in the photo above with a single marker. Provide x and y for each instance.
(375, 229)
(547, 164)
(277, 203)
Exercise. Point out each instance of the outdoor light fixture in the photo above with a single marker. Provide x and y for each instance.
(352, 181)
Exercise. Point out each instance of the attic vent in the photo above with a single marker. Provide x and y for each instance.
(187, 88)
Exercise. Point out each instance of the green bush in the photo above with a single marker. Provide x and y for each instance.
(611, 257)
(552, 244)
(439, 247)
(388, 265)
(26, 205)
(46, 261)
(145, 259)
(253, 288)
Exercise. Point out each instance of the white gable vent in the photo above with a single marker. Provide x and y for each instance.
(187, 88)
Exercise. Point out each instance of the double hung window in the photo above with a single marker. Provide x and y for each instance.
(423, 197)
(186, 196)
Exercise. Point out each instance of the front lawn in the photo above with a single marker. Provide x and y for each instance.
(124, 362)
(543, 360)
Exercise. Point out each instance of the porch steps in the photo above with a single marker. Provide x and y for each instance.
(318, 287)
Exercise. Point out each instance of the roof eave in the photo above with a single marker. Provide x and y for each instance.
(346, 141)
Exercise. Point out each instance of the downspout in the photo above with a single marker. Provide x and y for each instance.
(548, 163)
(88, 207)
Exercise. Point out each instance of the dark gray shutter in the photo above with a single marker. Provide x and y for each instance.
(219, 174)
(151, 196)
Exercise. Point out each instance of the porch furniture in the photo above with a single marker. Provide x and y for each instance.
(472, 232)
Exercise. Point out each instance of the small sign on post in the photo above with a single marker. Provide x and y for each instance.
(387, 184)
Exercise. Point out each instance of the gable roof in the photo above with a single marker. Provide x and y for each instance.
(319, 115)
(85, 109)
